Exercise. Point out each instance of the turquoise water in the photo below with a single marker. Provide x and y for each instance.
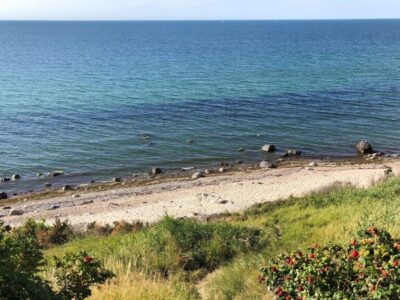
(79, 96)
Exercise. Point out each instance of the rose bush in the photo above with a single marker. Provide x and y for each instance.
(367, 268)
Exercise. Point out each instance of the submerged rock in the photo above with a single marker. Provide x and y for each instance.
(3, 195)
(268, 148)
(5, 179)
(364, 147)
(156, 171)
(241, 149)
(56, 173)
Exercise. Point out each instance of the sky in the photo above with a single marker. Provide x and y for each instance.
(197, 9)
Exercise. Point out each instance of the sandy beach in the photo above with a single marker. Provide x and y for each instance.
(185, 197)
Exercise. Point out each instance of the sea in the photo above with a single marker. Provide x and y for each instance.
(105, 99)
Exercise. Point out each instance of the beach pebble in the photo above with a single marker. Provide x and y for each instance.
(86, 202)
(197, 175)
(292, 152)
(268, 148)
(364, 147)
(265, 164)
(15, 177)
(156, 171)
(53, 207)
(117, 179)
(67, 187)
(76, 196)
(3, 195)
(313, 164)
(15, 212)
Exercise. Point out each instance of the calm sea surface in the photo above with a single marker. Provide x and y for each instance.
(79, 96)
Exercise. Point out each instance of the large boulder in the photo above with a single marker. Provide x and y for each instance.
(364, 147)
(268, 148)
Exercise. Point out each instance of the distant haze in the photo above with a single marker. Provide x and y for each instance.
(196, 9)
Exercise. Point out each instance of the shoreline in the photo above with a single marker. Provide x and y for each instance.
(238, 188)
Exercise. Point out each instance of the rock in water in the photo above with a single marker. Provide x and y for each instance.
(15, 177)
(5, 179)
(197, 175)
(3, 195)
(268, 148)
(117, 179)
(292, 152)
(364, 147)
(156, 171)
(265, 164)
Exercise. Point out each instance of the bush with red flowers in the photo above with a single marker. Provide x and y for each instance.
(75, 274)
(367, 268)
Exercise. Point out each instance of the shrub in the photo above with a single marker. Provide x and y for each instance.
(21, 259)
(367, 268)
(75, 274)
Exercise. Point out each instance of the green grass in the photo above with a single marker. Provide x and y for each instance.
(168, 259)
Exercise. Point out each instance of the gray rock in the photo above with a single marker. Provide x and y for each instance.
(15, 212)
(364, 147)
(5, 179)
(67, 187)
(265, 164)
(15, 177)
(189, 141)
(117, 179)
(222, 170)
(3, 195)
(268, 148)
(86, 202)
(53, 207)
(292, 152)
(156, 171)
(56, 173)
(197, 175)
(47, 184)
(313, 164)
(76, 196)
(241, 149)
(208, 171)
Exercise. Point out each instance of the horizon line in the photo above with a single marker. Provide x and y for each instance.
(193, 20)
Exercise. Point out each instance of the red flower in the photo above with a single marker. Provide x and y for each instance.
(372, 230)
(288, 298)
(354, 254)
(289, 260)
(312, 255)
(354, 243)
(395, 263)
(88, 259)
(315, 246)
(310, 279)
(300, 289)
(279, 292)
(273, 269)
(385, 274)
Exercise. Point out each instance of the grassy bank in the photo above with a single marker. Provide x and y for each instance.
(183, 259)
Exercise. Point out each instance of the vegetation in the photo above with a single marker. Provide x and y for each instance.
(21, 259)
(221, 259)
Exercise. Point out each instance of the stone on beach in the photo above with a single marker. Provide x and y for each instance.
(364, 147)
(265, 164)
(3, 195)
(156, 171)
(313, 164)
(67, 187)
(268, 148)
(117, 179)
(222, 170)
(197, 175)
(15, 212)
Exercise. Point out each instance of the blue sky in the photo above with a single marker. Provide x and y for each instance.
(196, 9)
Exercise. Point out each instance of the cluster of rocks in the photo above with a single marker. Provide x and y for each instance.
(12, 178)
(365, 149)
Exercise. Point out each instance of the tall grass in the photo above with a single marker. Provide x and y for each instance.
(172, 258)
